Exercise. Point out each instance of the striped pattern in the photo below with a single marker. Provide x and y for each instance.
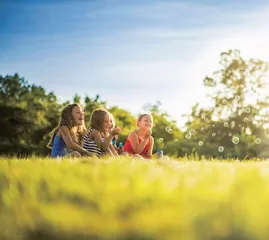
(91, 145)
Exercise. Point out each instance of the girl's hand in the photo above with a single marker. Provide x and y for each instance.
(116, 131)
(148, 134)
(89, 154)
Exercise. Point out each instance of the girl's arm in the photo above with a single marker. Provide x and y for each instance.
(149, 152)
(65, 134)
(99, 142)
(137, 147)
(112, 148)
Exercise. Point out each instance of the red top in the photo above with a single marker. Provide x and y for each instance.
(128, 147)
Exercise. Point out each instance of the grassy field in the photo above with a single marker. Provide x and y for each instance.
(128, 198)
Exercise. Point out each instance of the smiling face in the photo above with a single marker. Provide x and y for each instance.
(146, 122)
(111, 122)
(111, 125)
(78, 115)
(106, 124)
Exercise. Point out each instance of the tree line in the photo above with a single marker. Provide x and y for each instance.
(236, 126)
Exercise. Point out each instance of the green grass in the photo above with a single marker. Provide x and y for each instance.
(132, 199)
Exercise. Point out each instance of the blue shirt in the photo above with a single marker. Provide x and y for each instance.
(59, 148)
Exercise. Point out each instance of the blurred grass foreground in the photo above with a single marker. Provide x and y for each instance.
(128, 198)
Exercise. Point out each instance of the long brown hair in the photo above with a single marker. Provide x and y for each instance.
(68, 120)
(98, 119)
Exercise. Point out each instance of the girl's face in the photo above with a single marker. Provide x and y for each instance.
(106, 125)
(146, 122)
(78, 115)
(110, 125)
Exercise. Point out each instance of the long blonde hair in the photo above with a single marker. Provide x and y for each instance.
(112, 119)
(68, 120)
(98, 119)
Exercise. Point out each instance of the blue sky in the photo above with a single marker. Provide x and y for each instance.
(131, 53)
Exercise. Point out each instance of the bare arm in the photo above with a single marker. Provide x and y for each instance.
(137, 147)
(149, 152)
(99, 141)
(104, 145)
(113, 150)
(65, 134)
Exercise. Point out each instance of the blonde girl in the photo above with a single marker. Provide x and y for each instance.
(98, 139)
(140, 142)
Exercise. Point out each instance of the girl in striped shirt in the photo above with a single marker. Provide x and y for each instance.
(97, 141)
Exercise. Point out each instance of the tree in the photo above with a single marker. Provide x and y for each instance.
(235, 125)
(29, 114)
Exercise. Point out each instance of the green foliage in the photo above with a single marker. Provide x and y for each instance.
(131, 199)
(240, 110)
(90, 105)
(28, 115)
